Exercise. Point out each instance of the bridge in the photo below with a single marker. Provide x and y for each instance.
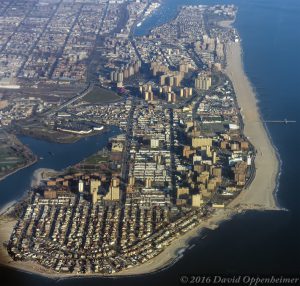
(285, 121)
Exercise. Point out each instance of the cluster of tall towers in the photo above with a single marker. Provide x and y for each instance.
(125, 72)
(146, 91)
(113, 194)
(168, 77)
(165, 92)
(203, 81)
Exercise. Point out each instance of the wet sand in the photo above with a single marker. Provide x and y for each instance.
(42, 174)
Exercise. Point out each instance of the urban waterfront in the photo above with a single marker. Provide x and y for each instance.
(252, 242)
(53, 156)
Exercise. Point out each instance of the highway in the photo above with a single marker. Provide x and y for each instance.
(78, 96)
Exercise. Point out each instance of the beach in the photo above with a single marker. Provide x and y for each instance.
(166, 258)
(261, 192)
(260, 195)
(42, 174)
(6, 226)
(170, 254)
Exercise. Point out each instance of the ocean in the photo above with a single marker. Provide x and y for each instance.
(254, 242)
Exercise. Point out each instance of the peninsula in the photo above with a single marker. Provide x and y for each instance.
(193, 152)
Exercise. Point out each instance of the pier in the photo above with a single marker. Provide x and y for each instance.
(285, 121)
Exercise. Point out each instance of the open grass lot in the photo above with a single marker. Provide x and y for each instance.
(11, 155)
(100, 95)
(7, 164)
(96, 159)
(213, 128)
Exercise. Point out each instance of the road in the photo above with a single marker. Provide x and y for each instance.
(15, 31)
(131, 34)
(172, 151)
(125, 168)
(61, 51)
(126, 151)
(38, 38)
(72, 100)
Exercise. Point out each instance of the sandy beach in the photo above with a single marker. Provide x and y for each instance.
(6, 226)
(171, 252)
(42, 174)
(159, 262)
(258, 196)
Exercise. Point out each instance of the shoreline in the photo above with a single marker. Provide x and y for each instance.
(74, 139)
(279, 169)
(37, 177)
(253, 100)
(259, 196)
(261, 192)
(20, 168)
(35, 160)
(168, 257)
